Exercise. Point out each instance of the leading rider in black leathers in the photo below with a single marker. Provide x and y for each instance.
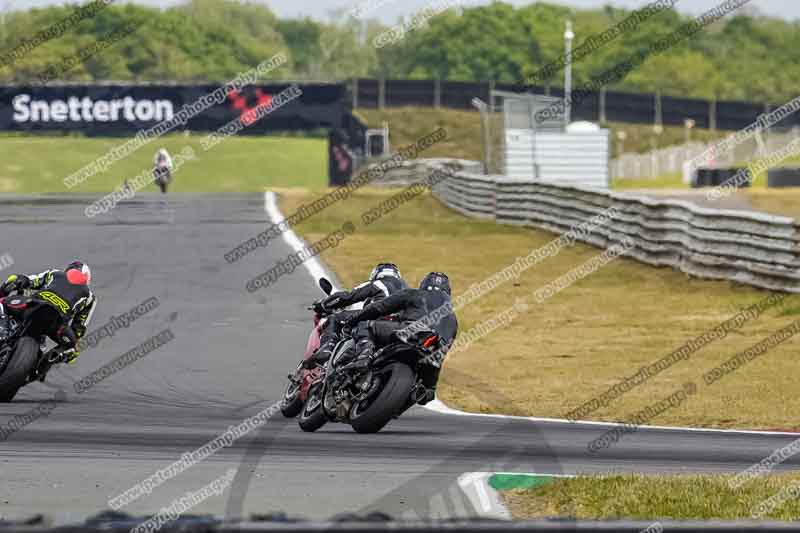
(403, 314)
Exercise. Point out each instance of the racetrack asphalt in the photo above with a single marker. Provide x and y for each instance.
(229, 359)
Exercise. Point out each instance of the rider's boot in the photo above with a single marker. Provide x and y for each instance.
(365, 350)
(327, 343)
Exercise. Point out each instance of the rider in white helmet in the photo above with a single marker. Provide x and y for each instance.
(162, 169)
(384, 280)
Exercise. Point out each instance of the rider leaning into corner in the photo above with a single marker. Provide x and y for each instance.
(379, 322)
(70, 285)
(384, 281)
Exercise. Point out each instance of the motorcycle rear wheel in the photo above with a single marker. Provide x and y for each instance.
(390, 401)
(312, 416)
(16, 373)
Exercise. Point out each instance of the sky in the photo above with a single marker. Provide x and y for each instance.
(390, 10)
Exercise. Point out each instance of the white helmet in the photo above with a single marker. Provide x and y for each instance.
(383, 270)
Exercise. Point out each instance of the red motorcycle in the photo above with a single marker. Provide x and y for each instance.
(368, 397)
(300, 382)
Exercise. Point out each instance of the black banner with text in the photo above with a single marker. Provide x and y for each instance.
(126, 109)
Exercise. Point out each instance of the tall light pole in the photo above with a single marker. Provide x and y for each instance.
(568, 37)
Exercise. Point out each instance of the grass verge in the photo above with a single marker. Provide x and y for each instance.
(784, 202)
(583, 340)
(653, 497)
(37, 164)
(667, 181)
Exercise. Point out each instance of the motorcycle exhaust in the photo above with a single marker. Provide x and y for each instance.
(419, 393)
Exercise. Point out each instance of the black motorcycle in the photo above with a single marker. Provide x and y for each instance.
(369, 397)
(24, 323)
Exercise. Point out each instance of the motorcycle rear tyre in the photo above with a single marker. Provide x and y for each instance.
(390, 402)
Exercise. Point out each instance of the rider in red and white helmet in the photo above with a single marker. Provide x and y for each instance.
(70, 286)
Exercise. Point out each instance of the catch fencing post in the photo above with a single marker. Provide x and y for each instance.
(712, 115)
(483, 109)
(602, 117)
(658, 118)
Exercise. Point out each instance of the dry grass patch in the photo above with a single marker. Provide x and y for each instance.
(784, 202)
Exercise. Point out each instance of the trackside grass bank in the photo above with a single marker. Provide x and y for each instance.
(39, 164)
(557, 355)
(654, 497)
(407, 124)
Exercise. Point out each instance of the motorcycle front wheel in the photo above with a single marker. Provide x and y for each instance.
(313, 416)
(18, 368)
(292, 404)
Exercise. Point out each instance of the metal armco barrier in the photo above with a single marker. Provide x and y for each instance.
(751, 248)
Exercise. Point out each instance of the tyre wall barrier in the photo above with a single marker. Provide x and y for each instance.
(714, 177)
(746, 247)
(783, 177)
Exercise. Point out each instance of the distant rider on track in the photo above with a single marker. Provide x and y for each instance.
(162, 169)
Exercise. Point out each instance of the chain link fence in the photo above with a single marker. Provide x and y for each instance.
(671, 160)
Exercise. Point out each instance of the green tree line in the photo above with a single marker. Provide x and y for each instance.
(743, 57)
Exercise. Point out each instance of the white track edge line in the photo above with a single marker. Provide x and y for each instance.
(438, 406)
(313, 265)
(317, 270)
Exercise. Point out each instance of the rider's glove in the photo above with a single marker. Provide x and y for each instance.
(319, 307)
(15, 282)
(327, 305)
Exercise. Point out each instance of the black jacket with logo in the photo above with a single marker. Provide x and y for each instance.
(414, 305)
(75, 302)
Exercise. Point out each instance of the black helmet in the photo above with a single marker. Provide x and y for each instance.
(382, 270)
(435, 281)
(78, 273)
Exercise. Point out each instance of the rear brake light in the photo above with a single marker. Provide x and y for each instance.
(429, 341)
